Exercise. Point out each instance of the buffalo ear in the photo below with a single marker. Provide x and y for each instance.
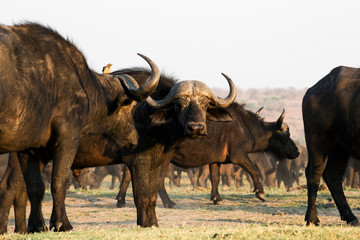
(161, 117)
(218, 115)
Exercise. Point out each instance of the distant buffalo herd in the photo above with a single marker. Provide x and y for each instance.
(58, 118)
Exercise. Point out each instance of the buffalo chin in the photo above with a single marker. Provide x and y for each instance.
(195, 136)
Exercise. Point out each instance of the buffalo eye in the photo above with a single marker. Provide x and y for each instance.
(284, 138)
(180, 104)
(124, 101)
(204, 103)
(127, 102)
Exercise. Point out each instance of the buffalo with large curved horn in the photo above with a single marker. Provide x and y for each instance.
(132, 87)
(189, 88)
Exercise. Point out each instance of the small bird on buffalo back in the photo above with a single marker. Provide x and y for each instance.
(106, 69)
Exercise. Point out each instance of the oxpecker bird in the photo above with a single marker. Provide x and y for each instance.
(106, 69)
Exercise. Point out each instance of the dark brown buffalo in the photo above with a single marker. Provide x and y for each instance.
(81, 178)
(227, 172)
(289, 171)
(332, 130)
(264, 164)
(351, 178)
(201, 176)
(115, 171)
(231, 142)
(184, 113)
(170, 174)
(126, 178)
(177, 176)
(178, 110)
(49, 99)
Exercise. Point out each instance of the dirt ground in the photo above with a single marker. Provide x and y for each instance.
(97, 209)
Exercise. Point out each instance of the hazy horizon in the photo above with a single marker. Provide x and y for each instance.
(259, 44)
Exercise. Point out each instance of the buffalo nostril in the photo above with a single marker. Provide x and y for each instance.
(196, 126)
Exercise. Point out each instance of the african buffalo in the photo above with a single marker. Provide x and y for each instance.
(99, 173)
(289, 171)
(332, 131)
(175, 111)
(201, 176)
(231, 142)
(351, 177)
(81, 178)
(184, 113)
(49, 99)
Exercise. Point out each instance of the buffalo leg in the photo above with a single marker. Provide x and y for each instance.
(333, 176)
(13, 191)
(279, 180)
(190, 175)
(154, 188)
(314, 170)
(237, 178)
(203, 176)
(355, 183)
(228, 175)
(177, 178)
(196, 178)
(349, 174)
(126, 178)
(162, 191)
(20, 210)
(113, 180)
(215, 180)
(6, 198)
(66, 147)
(143, 181)
(31, 168)
(118, 174)
(245, 163)
(21, 197)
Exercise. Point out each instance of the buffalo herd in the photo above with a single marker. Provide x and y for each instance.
(58, 118)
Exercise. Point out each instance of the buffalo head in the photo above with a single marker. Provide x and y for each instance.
(191, 103)
(122, 107)
(280, 142)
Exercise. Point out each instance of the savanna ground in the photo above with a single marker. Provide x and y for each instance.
(94, 215)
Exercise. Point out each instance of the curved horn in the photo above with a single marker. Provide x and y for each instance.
(259, 110)
(145, 90)
(163, 102)
(279, 122)
(230, 98)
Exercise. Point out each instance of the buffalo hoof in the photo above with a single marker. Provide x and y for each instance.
(313, 220)
(217, 201)
(120, 204)
(21, 230)
(169, 205)
(354, 223)
(260, 196)
(308, 223)
(60, 227)
(36, 229)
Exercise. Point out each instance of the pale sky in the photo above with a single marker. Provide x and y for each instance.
(259, 44)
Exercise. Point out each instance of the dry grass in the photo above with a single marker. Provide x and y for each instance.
(94, 215)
